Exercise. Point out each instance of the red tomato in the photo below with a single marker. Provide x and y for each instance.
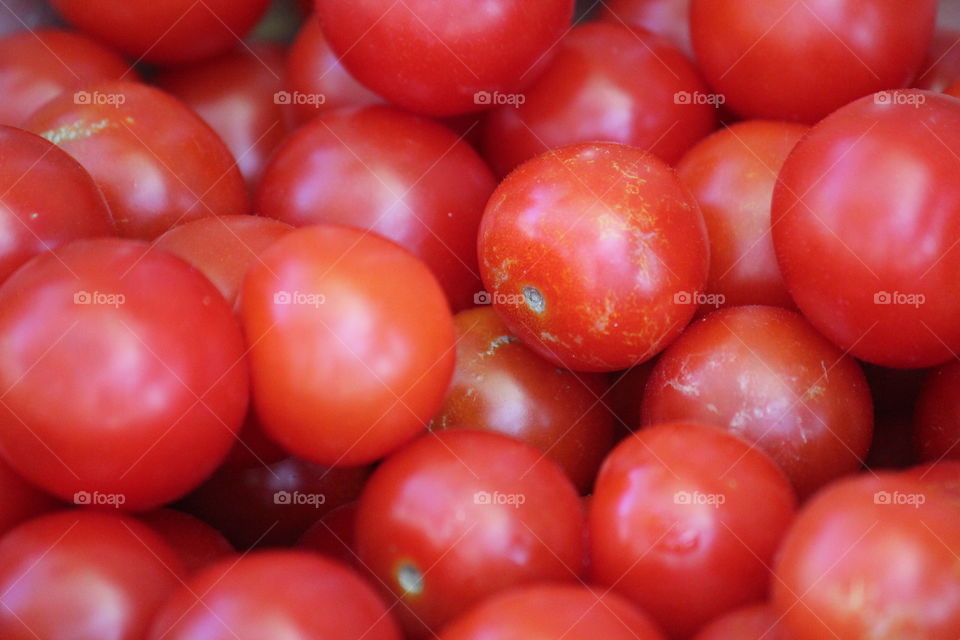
(944, 474)
(460, 515)
(685, 520)
(21, 501)
(872, 557)
(172, 31)
(937, 420)
(157, 163)
(83, 575)
(404, 177)
(253, 447)
(443, 58)
(501, 385)
(123, 374)
(197, 543)
(667, 18)
(754, 622)
(334, 535)
(46, 199)
(789, 60)
(569, 612)
(36, 66)
(292, 594)
(626, 391)
(732, 174)
(764, 374)
(942, 67)
(605, 82)
(866, 217)
(588, 253)
(953, 90)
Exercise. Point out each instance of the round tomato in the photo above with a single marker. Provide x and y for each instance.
(754, 622)
(667, 18)
(197, 543)
(937, 419)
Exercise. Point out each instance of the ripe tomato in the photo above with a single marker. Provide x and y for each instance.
(293, 594)
(457, 516)
(866, 218)
(754, 622)
(685, 520)
(588, 253)
(443, 58)
(937, 420)
(156, 161)
(21, 500)
(788, 60)
(732, 174)
(605, 82)
(334, 535)
(667, 18)
(122, 373)
(196, 543)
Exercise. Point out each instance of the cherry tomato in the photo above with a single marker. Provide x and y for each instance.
(866, 216)
(404, 177)
(685, 520)
(605, 82)
(753, 622)
(788, 60)
(732, 174)
(937, 420)
(443, 58)
(588, 252)
(667, 18)
(334, 535)
(501, 385)
(21, 501)
(197, 543)
(157, 163)
(460, 515)
(122, 373)
(46, 199)
(944, 474)
(83, 576)
(253, 447)
(942, 67)
(293, 594)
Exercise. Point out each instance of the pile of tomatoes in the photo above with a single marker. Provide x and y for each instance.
(499, 320)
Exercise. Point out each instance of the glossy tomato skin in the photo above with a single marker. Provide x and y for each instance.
(196, 543)
(21, 500)
(36, 66)
(830, 582)
(83, 575)
(590, 254)
(685, 520)
(753, 622)
(173, 31)
(944, 474)
(501, 385)
(764, 374)
(46, 199)
(604, 82)
(157, 163)
(936, 422)
(866, 216)
(132, 385)
(572, 612)
(434, 58)
(352, 344)
(800, 61)
(459, 515)
(402, 176)
(223, 247)
(299, 594)
(667, 18)
(732, 174)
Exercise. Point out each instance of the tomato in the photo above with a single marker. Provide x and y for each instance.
(315, 78)
(172, 31)
(605, 82)
(122, 372)
(684, 520)
(764, 374)
(36, 66)
(942, 67)
(872, 557)
(789, 60)
(501, 385)
(83, 576)
(667, 18)
(21, 501)
(732, 174)
(866, 216)
(240, 95)
(404, 177)
(223, 247)
(46, 199)
(443, 58)
(944, 474)
(197, 543)
(753, 622)
(589, 252)
(563, 611)
(253, 447)
(937, 419)
(265, 595)
(157, 163)
(460, 515)
(334, 535)
(626, 391)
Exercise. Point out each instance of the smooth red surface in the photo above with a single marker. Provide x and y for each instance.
(754, 622)
(668, 18)
(942, 66)
(197, 543)
(334, 535)
(937, 420)
(21, 500)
